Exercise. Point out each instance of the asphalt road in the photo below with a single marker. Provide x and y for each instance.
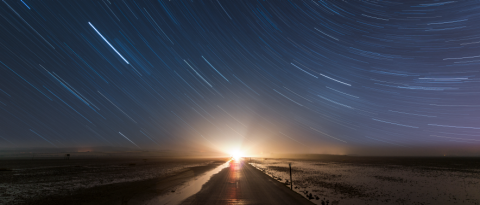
(241, 183)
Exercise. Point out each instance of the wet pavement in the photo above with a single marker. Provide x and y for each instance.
(240, 183)
(187, 189)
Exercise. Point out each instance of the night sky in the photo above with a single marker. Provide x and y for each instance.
(260, 76)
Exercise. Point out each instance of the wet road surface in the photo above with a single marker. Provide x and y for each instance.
(241, 184)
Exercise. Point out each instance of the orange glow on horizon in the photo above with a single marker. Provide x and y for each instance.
(236, 155)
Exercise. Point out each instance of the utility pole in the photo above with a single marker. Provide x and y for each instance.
(291, 182)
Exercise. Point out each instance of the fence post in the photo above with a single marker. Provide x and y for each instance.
(291, 182)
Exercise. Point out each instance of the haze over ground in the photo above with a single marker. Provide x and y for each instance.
(259, 77)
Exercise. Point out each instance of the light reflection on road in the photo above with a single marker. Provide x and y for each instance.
(191, 187)
(233, 188)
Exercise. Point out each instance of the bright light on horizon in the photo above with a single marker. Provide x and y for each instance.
(236, 155)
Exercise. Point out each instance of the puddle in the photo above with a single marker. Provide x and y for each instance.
(191, 188)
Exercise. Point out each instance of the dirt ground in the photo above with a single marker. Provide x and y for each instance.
(95, 181)
(379, 180)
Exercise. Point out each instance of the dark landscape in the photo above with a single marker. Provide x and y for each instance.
(319, 178)
(97, 181)
(379, 180)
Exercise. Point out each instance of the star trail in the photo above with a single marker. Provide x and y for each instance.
(263, 76)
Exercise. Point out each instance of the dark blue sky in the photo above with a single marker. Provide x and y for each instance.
(260, 76)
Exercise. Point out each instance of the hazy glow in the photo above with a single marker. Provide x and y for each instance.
(236, 155)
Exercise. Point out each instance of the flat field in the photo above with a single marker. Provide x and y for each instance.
(379, 180)
(94, 181)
